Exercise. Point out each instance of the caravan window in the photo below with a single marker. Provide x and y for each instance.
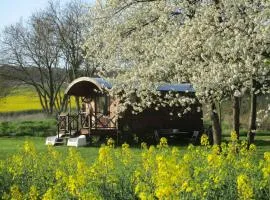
(102, 104)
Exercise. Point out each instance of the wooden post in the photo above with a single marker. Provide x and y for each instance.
(95, 103)
(58, 126)
(90, 120)
(77, 121)
(69, 103)
(81, 119)
(69, 124)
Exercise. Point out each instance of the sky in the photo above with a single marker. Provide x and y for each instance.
(11, 11)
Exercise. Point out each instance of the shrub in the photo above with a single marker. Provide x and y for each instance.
(30, 128)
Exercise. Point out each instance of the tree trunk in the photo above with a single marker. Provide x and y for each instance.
(51, 89)
(216, 125)
(253, 114)
(220, 114)
(236, 115)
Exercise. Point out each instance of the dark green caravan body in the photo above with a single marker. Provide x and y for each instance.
(166, 121)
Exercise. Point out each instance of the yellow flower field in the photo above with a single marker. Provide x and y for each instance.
(21, 99)
(230, 171)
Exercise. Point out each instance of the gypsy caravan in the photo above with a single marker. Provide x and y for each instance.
(98, 116)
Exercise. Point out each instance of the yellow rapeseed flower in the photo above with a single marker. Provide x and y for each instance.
(110, 142)
(164, 192)
(184, 185)
(48, 195)
(126, 154)
(72, 185)
(267, 156)
(175, 151)
(29, 148)
(59, 174)
(216, 149)
(163, 143)
(244, 187)
(204, 140)
(15, 193)
(233, 136)
(143, 145)
(33, 194)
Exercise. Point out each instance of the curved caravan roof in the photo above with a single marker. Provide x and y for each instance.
(183, 87)
(85, 86)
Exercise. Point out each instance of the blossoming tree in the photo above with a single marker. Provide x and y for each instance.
(218, 46)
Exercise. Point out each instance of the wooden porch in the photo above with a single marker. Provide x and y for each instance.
(72, 125)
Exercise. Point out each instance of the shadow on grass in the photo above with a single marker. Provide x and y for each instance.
(262, 143)
(267, 134)
(172, 142)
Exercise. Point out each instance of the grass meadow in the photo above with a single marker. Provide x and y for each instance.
(12, 144)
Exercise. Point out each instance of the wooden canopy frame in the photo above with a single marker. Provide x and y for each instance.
(85, 86)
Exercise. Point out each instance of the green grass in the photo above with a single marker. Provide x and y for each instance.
(12, 145)
(262, 139)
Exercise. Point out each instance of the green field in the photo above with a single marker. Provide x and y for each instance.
(11, 145)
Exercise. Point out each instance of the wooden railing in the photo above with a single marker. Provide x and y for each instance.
(68, 124)
(103, 121)
(71, 124)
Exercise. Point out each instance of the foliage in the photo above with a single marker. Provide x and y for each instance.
(204, 172)
(30, 128)
(216, 45)
(219, 46)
